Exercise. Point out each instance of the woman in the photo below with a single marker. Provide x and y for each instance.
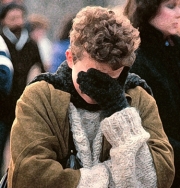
(158, 61)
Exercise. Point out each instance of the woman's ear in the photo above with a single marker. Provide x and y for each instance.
(69, 58)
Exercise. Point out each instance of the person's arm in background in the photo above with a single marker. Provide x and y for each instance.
(37, 58)
(45, 50)
(58, 54)
(37, 67)
(6, 70)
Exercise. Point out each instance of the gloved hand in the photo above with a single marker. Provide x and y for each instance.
(106, 91)
(125, 130)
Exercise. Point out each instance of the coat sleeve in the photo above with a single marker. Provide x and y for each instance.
(6, 74)
(6, 69)
(37, 57)
(39, 140)
(158, 143)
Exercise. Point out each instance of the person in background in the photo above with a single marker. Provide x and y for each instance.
(158, 61)
(23, 51)
(78, 127)
(62, 43)
(6, 77)
(38, 26)
(4, 2)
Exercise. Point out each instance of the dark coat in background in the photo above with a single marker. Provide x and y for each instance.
(6, 75)
(159, 64)
(22, 61)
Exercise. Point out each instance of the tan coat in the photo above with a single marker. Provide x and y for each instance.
(39, 139)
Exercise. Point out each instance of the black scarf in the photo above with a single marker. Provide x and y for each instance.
(62, 80)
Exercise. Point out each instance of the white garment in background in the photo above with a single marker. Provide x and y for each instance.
(3, 59)
(45, 50)
(3, 47)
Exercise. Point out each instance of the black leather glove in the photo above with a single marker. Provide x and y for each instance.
(106, 91)
(134, 80)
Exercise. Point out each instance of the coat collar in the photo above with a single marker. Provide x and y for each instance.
(19, 43)
(150, 36)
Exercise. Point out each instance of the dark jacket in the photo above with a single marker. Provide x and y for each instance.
(22, 61)
(159, 64)
(6, 75)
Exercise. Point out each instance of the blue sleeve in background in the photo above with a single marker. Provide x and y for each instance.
(6, 74)
(5, 79)
(58, 54)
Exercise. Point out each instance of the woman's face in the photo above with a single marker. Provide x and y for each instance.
(167, 19)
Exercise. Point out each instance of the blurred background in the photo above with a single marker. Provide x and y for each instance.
(56, 10)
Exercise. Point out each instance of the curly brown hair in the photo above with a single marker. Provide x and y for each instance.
(106, 36)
